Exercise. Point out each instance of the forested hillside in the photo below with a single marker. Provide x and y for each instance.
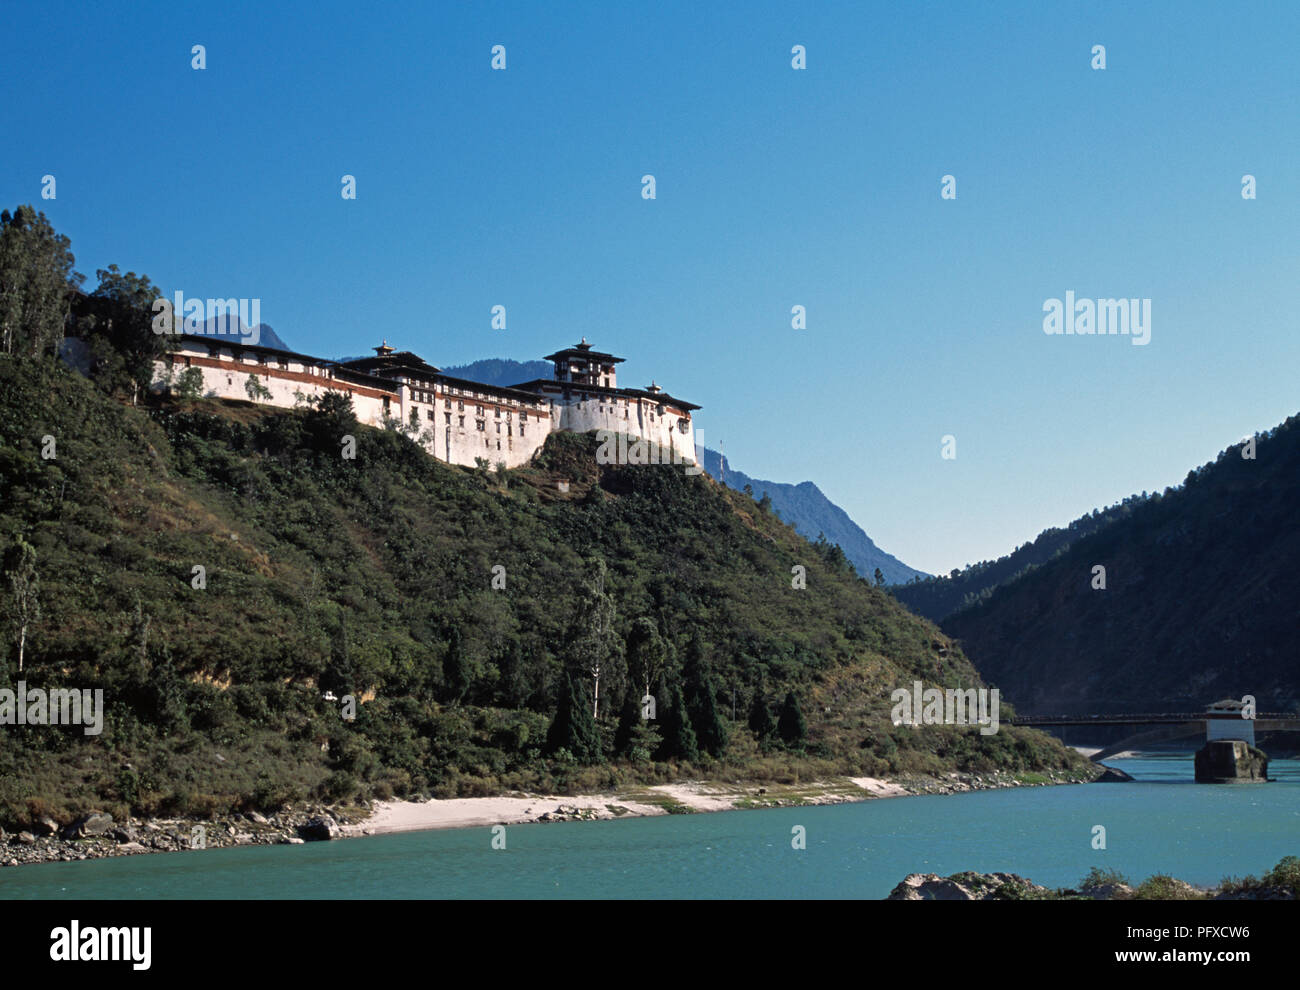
(282, 605)
(1201, 599)
(938, 597)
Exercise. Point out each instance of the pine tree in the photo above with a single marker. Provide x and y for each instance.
(574, 728)
(760, 721)
(701, 701)
(455, 667)
(790, 724)
(628, 720)
(679, 737)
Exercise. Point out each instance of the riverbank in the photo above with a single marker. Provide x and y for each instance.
(97, 836)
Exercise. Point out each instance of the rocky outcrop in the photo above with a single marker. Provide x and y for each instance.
(1230, 761)
(1112, 775)
(322, 828)
(967, 887)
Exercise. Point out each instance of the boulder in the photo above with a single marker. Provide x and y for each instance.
(25, 838)
(45, 825)
(255, 818)
(318, 829)
(95, 823)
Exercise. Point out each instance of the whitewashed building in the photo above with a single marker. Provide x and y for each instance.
(457, 421)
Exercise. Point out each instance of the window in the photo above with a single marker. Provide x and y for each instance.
(430, 412)
(498, 427)
(521, 429)
(462, 421)
(448, 415)
(480, 424)
(446, 403)
(498, 412)
(460, 405)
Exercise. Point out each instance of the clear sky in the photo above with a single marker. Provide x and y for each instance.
(774, 188)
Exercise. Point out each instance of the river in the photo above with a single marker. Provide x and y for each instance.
(1162, 823)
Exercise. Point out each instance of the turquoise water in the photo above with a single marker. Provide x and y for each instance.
(1164, 823)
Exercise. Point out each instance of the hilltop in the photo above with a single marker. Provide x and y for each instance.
(325, 578)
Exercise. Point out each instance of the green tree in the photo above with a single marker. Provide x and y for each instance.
(188, 384)
(880, 578)
(594, 648)
(36, 283)
(20, 575)
(456, 667)
(701, 700)
(760, 721)
(117, 319)
(646, 654)
(679, 741)
(574, 728)
(790, 725)
(257, 392)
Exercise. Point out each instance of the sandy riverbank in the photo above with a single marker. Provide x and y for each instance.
(407, 816)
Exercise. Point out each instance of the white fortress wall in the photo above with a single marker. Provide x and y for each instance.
(458, 422)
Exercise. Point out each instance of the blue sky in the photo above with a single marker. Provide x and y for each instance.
(775, 188)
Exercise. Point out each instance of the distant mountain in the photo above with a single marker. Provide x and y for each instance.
(806, 508)
(501, 371)
(266, 337)
(936, 598)
(1201, 599)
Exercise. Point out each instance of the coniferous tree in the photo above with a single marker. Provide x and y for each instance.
(678, 736)
(760, 721)
(701, 701)
(628, 720)
(455, 666)
(790, 724)
(573, 727)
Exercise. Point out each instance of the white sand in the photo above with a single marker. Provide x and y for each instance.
(409, 816)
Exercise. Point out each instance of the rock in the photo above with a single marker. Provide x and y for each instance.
(929, 887)
(131, 847)
(292, 840)
(95, 823)
(318, 829)
(255, 818)
(124, 834)
(1112, 775)
(966, 887)
(45, 826)
(1110, 892)
(25, 839)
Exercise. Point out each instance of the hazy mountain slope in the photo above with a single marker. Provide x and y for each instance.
(1202, 600)
(810, 512)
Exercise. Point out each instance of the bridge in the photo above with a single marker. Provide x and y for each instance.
(1220, 721)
